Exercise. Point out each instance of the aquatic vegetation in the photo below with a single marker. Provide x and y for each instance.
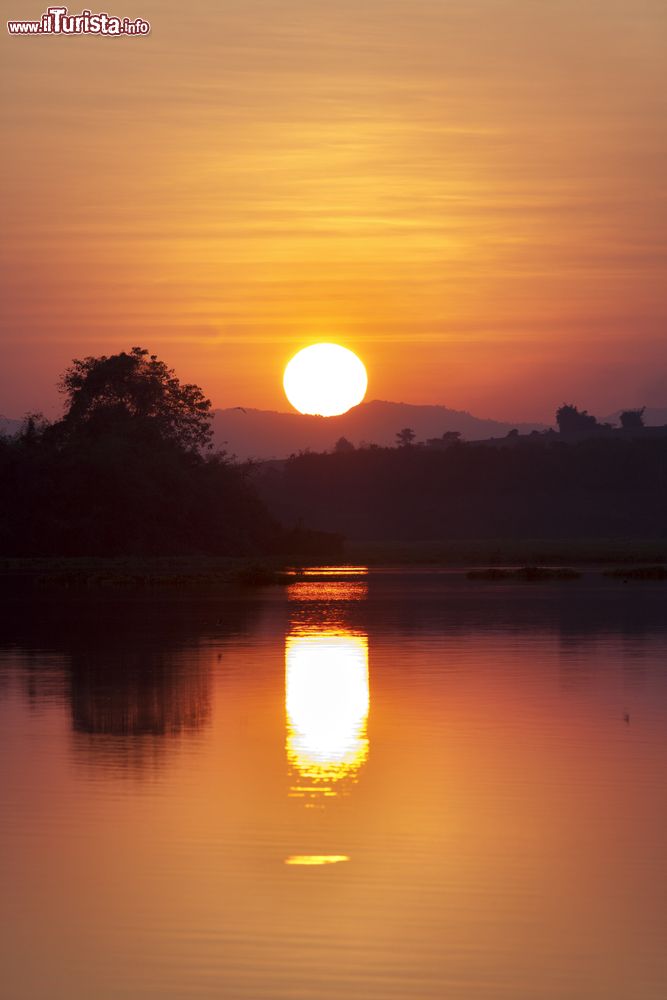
(638, 573)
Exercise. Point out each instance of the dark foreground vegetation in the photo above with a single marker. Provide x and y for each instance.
(559, 490)
(137, 572)
(129, 470)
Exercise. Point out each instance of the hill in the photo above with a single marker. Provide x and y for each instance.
(267, 434)
(9, 426)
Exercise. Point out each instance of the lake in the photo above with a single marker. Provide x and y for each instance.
(366, 785)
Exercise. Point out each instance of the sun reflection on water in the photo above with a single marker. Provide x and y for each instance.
(316, 859)
(326, 702)
(325, 592)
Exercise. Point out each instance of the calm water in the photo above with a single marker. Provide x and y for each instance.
(389, 786)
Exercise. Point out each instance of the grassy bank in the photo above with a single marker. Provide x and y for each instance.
(621, 559)
(134, 572)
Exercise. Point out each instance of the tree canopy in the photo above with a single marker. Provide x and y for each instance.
(632, 420)
(570, 420)
(405, 437)
(139, 390)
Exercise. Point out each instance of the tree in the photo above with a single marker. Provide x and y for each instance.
(127, 472)
(139, 390)
(32, 429)
(571, 421)
(632, 420)
(343, 445)
(452, 437)
(405, 437)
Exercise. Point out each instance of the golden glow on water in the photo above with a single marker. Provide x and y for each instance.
(327, 591)
(326, 703)
(506, 843)
(316, 859)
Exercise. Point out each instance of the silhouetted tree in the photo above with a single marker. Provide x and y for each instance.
(343, 445)
(632, 420)
(139, 389)
(33, 427)
(127, 472)
(405, 437)
(572, 421)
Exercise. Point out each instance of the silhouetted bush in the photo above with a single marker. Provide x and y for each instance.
(570, 420)
(632, 420)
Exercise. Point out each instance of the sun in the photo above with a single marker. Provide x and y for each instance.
(325, 380)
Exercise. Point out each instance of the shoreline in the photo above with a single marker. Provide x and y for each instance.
(490, 560)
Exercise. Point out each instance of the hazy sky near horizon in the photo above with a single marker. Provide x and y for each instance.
(470, 194)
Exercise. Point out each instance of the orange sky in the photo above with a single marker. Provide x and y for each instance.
(468, 194)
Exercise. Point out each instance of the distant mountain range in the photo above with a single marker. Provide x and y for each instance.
(265, 434)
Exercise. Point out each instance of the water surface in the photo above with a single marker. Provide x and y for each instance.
(395, 785)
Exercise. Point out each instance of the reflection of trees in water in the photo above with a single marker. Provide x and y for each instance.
(138, 691)
(134, 671)
(132, 706)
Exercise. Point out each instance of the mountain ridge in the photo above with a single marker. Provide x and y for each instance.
(264, 434)
(253, 433)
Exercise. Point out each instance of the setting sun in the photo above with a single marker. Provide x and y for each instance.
(325, 380)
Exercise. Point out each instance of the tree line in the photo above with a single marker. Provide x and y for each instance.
(130, 469)
(603, 486)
